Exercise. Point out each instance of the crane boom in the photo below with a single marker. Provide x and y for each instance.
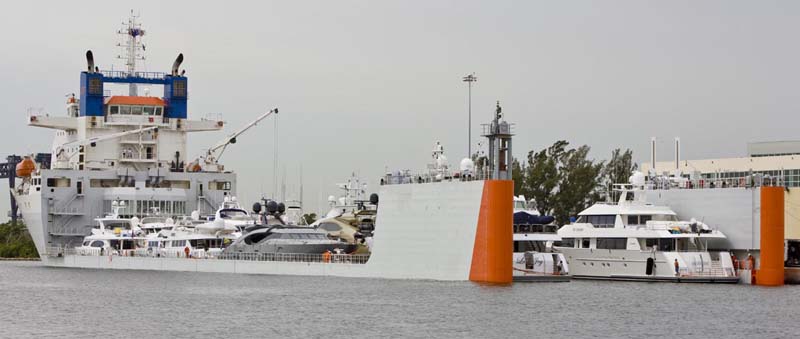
(210, 161)
(231, 139)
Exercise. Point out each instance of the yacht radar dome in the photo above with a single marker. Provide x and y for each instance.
(466, 165)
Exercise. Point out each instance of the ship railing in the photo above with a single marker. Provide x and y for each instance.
(124, 74)
(213, 254)
(299, 257)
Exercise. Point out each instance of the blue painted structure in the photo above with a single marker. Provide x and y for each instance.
(92, 89)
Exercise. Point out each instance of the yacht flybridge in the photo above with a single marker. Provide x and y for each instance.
(636, 240)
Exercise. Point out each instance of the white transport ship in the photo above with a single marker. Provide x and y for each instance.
(636, 240)
(132, 150)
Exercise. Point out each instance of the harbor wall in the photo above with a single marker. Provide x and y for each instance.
(734, 211)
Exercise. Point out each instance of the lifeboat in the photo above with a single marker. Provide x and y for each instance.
(26, 167)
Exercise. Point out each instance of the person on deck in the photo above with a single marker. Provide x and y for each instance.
(677, 267)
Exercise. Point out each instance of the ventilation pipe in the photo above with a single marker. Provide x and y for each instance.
(90, 61)
(653, 154)
(677, 153)
(177, 64)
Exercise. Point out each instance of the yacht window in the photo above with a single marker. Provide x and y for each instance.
(585, 243)
(666, 245)
(147, 110)
(86, 243)
(97, 243)
(566, 242)
(629, 196)
(136, 110)
(158, 110)
(114, 110)
(124, 109)
(643, 219)
(330, 227)
(581, 219)
(633, 220)
(601, 221)
(612, 243)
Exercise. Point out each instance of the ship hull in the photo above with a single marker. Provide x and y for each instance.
(426, 231)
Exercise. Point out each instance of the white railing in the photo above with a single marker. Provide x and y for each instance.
(214, 255)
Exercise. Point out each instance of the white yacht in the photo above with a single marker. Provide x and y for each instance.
(113, 235)
(233, 215)
(636, 240)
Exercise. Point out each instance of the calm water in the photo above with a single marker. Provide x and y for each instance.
(42, 302)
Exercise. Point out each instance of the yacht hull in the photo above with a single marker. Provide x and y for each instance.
(629, 265)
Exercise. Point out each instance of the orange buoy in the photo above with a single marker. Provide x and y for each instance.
(770, 272)
(25, 167)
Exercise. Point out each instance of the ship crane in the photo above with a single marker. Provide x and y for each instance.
(209, 162)
(62, 157)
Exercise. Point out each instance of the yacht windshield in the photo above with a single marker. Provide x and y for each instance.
(232, 214)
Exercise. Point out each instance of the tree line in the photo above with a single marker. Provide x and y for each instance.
(16, 242)
(563, 181)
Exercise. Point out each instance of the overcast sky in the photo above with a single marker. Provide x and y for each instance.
(368, 85)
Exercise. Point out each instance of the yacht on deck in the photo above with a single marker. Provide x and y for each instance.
(636, 240)
(113, 235)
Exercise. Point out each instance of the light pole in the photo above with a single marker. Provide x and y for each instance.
(469, 79)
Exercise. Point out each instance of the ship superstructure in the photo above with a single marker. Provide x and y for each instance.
(120, 148)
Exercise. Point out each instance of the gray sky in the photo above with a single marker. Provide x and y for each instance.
(365, 85)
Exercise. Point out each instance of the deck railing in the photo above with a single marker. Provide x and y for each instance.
(213, 255)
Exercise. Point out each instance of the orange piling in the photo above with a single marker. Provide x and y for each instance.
(492, 254)
(770, 272)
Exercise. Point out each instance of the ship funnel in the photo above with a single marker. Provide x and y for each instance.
(177, 64)
(90, 61)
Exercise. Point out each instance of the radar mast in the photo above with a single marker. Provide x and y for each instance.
(132, 47)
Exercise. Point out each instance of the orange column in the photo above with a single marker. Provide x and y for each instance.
(492, 254)
(770, 272)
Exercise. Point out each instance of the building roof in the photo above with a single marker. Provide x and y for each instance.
(784, 147)
(128, 100)
(759, 163)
